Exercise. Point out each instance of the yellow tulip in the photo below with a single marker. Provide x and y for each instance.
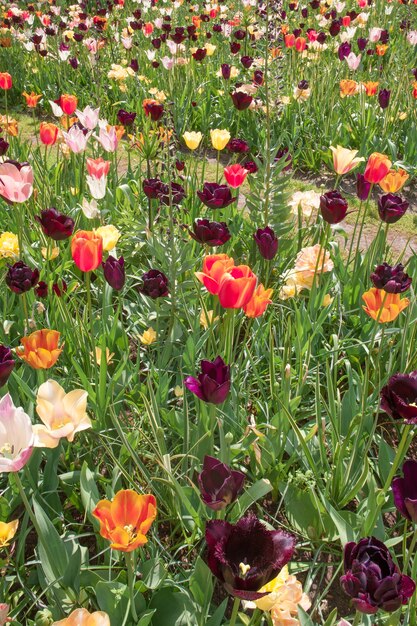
(219, 138)
(192, 140)
(7, 532)
(148, 337)
(110, 236)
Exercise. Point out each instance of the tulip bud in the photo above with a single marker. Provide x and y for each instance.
(267, 242)
(114, 272)
(333, 207)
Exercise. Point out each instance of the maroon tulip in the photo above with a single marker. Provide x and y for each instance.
(405, 491)
(151, 187)
(55, 224)
(238, 146)
(399, 397)
(216, 196)
(241, 100)
(6, 364)
(154, 110)
(333, 207)
(391, 208)
(41, 289)
(250, 166)
(173, 192)
(363, 188)
(267, 242)
(219, 485)
(391, 279)
(114, 272)
(21, 278)
(154, 284)
(225, 71)
(210, 233)
(213, 384)
(200, 54)
(125, 117)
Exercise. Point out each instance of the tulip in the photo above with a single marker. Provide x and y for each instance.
(213, 383)
(151, 187)
(237, 287)
(76, 139)
(383, 98)
(219, 138)
(16, 181)
(82, 617)
(41, 349)
(404, 490)
(172, 193)
(210, 233)
(192, 140)
(383, 307)
(238, 146)
(21, 278)
(391, 208)
(235, 175)
(377, 168)
(16, 436)
(153, 109)
(4, 611)
(6, 364)
(372, 579)
(4, 146)
(125, 117)
(126, 520)
(214, 268)
(246, 556)
(391, 279)
(345, 160)
(87, 250)
(108, 139)
(333, 207)
(241, 100)
(110, 236)
(399, 397)
(154, 284)
(32, 99)
(363, 188)
(68, 103)
(97, 186)
(55, 225)
(258, 303)
(114, 272)
(48, 133)
(216, 196)
(98, 168)
(394, 181)
(6, 82)
(88, 117)
(219, 485)
(267, 242)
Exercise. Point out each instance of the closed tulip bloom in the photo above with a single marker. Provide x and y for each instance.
(98, 168)
(125, 117)
(237, 287)
(110, 236)
(344, 160)
(241, 100)
(399, 397)
(333, 207)
(212, 385)
(55, 224)
(363, 188)
(391, 279)
(219, 485)
(6, 82)
(153, 109)
(76, 139)
(219, 138)
(16, 436)
(258, 303)
(63, 414)
(7, 532)
(4, 146)
(126, 520)
(154, 284)
(6, 364)
(88, 117)
(41, 349)
(371, 578)
(267, 242)
(384, 98)
(382, 306)
(192, 140)
(210, 233)
(87, 250)
(114, 272)
(68, 103)
(16, 181)
(394, 181)
(377, 168)
(391, 208)
(235, 175)
(82, 617)
(214, 268)
(216, 196)
(21, 278)
(404, 490)
(48, 133)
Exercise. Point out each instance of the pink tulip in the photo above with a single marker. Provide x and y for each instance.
(108, 139)
(16, 181)
(97, 168)
(235, 175)
(75, 139)
(16, 436)
(88, 117)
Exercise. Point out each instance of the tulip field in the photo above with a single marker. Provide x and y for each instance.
(208, 337)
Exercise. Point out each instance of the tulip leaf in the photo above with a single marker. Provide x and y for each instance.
(52, 552)
(216, 618)
(88, 488)
(255, 492)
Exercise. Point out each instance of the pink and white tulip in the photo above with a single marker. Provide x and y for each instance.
(16, 436)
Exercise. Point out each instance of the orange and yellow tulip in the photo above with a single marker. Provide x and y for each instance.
(214, 267)
(377, 168)
(32, 99)
(382, 306)
(371, 87)
(344, 160)
(126, 520)
(259, 301)
(348, 88)
(394, 181)
(41, 349)
(87, 250)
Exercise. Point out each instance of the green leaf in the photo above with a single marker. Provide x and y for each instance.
(172, 608)
(255, 492)
(52, 552)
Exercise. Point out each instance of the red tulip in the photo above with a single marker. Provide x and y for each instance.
(235, 175)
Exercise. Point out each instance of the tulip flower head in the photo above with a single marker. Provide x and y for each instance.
(7, 364)
(16, 436)
(377, 168)
(382, 306)
(404, 490)
(399, 397)
(216, 196)
(258, 303)
(41, 349)
(32, 99)
(82, 617)
(7, 532)
(394, 181)
(391, 279)
(87, 250)
(6, 81)
(219, 138)
(344, 160)
(55, 224)
(48, 133)
(235, 175)
(212, 385)
(16, 181)
(4, 611)
(219, 485)
(210, 233)
(192, 140)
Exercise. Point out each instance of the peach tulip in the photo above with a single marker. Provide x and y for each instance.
(214, 267)
(344, 160)
(7, 532)
(82, 617)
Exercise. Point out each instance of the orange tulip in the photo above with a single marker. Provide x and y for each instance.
(126, 520)
(259, 301)
(382, 306)
(68, 103)
(381, 49)
(31, 99)
(289, 40)
(87, 250)
(82, 617)
(377, 168)
(48, 133)
(237, 287)
(371, 87)
(348, 88)
(40, 349)
(5, 81)
(394, 181)
(214, 267)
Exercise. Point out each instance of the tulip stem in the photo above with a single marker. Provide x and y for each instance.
(358, 618)
(235, 611)
(27, 505)
(130, 566)
(411, 551)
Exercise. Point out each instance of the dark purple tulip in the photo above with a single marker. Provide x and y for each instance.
(241, 100)
(362, 43)
(238, 146)
(216, 196)
(333, 207)
(233, 547)
(219, 485)
(372, 579)
(73, 61)
(234, 47)
(55, 224)
(344, 50)
(334, 28)
(391, 279)
(154, 110)
(151, 187)
(383, 98)
(246, 61)
(363, 188)
(4, 146)
(21, 278)
(405, 491)
(134, 65)
(250, 166)
(41, 289)
(391, 208)
(258, 77)
(225, 71)
(213, 384)
(399, 397)
(267, 242)
(210, 233)
(7, 365)
(154, 284)
(173, 192)
(125, 117)
(200, 54)
(114, 272)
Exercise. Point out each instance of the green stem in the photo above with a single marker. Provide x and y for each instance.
(411, 551)
(130, 565)
(235, 611)
(358, 618)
